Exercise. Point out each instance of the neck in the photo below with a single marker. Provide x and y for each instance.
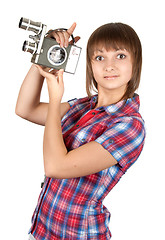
(108, 98)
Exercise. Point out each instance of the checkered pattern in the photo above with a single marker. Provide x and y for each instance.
(72, 208)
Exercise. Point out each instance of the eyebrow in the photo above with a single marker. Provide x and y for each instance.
(99, 50)
(115, 50)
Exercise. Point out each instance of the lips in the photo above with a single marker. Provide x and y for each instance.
(111, 77)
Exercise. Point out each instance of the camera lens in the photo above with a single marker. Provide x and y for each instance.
(29, 47)
(20, 22)
(57, 55)
(30, 25)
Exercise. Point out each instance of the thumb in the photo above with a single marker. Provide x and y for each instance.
(45, 74)
(41, 71)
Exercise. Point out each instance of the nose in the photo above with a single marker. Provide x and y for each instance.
(109, 66)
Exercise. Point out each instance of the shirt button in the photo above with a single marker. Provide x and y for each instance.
(77, 125)
(111, 141)
(93, 113)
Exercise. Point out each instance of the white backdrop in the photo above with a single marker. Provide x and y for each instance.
(137, 202)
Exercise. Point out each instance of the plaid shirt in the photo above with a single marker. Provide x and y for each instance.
(72, 208)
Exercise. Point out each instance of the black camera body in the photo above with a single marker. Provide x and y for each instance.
(46, 51)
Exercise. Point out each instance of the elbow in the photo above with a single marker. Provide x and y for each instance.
(17, 111)
(20, 112)
(48, 173)
(52, 171)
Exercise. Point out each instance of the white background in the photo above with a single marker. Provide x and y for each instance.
(137, 202)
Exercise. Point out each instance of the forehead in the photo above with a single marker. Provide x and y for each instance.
(109, 46)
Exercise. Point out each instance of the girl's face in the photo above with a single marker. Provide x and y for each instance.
(112, 69)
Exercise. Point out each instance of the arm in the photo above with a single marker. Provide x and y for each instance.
(58, 162)
(28, 104)
(29, 94)
(85, 160)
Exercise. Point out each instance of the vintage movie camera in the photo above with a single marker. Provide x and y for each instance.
(46, 51)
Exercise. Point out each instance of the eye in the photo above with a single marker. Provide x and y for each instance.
(121, 56)
(99, 58)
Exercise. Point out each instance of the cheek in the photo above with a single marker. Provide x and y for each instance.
(127, 70)
(95, 70)
(130, 72)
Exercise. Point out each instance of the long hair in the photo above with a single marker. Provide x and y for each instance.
(115, 36)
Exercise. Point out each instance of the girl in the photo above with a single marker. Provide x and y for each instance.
(89, 143)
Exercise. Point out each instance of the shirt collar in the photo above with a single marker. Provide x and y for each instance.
(124, 106)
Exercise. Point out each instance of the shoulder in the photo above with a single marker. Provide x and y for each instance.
(76, 101)
(76, 107)
(126, 131)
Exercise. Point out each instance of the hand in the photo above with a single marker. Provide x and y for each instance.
(55, 83)
(62, 37)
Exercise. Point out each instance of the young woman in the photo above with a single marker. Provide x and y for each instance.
(89, 143)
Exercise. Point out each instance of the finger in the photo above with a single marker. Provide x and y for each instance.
(46, 69)
(53, 71)
(56, 36)
(66, 36)
(62, 38)
(43, 72)
(49, 33)
(53, 34)
(71, 29)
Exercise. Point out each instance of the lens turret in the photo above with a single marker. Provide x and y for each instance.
(29, 47)
(30, 25)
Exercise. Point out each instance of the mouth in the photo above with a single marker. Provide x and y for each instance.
(111, 77)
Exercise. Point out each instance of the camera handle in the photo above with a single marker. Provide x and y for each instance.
(61, 29)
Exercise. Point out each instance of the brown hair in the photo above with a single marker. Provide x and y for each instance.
(115, 36)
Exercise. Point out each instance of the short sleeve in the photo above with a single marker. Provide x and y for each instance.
(72, 102)
(124, 140)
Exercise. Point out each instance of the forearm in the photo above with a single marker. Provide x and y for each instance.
(54, 150)
(30, 91)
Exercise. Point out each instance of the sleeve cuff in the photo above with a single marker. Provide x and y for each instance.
(72, 101)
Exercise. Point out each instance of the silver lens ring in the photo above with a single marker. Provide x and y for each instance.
(56, 55)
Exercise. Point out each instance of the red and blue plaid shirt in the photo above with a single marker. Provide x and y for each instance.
(72, 208)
